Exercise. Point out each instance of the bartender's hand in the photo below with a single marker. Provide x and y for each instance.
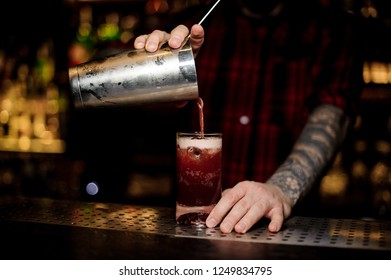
(246, 203)
(151, 42)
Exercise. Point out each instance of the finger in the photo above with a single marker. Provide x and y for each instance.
(253, 215)
(229, 199)
(277, 219)
(139, 42)
(155, 39)
(197, 33)
(238, 211)
(178, 35)
(197, 38)
(225, 191)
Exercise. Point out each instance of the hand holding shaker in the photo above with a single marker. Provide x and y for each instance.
(135, 77)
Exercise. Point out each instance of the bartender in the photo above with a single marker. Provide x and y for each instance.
(280, 80)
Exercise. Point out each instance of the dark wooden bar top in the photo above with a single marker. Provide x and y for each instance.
(45, 228)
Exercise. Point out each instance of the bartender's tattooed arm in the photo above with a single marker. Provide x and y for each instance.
(316, 146)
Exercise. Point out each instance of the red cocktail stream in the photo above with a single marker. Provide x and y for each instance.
(200, 104)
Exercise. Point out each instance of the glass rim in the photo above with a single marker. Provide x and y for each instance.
(197, 134)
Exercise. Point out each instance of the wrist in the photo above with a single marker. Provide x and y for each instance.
(288, 185)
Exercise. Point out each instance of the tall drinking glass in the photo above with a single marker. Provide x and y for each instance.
(199, 161)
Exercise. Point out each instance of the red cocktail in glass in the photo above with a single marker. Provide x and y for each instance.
(199, 160)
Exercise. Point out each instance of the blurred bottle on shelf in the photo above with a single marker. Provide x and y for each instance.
(30, 103)
(380, 179)
(83, 46)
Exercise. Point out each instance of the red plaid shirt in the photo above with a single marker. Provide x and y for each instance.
(260, 79)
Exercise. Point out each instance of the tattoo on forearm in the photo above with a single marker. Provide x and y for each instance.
(313, 150)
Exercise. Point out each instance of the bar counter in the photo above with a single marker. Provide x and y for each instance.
(46, 228)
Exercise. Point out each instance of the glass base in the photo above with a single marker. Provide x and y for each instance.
(194, 219)
(186, 215)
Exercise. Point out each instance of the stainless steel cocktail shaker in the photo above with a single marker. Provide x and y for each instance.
(135, 77)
